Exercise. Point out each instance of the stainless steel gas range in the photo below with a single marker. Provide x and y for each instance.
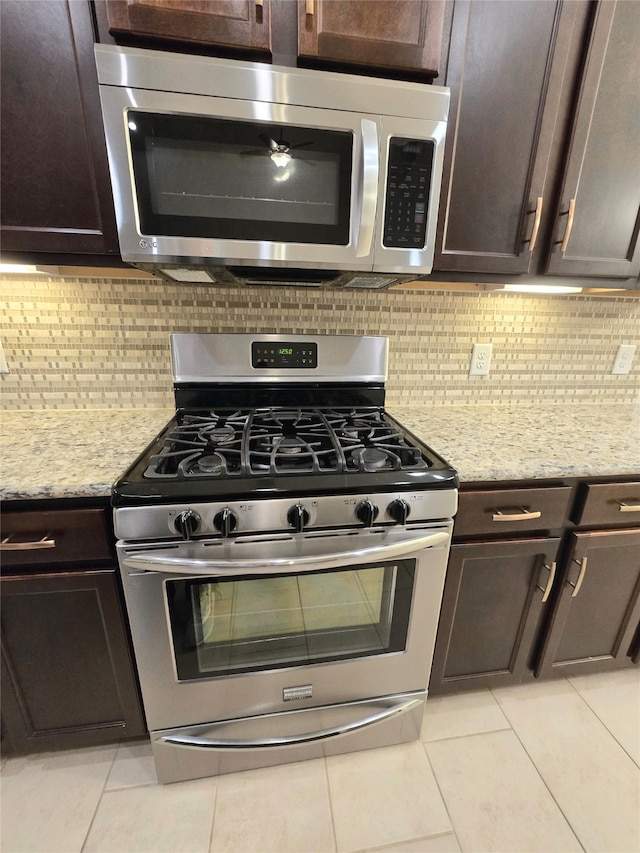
(283, 546)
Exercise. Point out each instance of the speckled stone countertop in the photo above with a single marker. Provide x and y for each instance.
(500, 442)
(57, 454)
(71, 453)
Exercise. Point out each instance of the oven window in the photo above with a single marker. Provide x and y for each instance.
(225, 626)
(208, 177)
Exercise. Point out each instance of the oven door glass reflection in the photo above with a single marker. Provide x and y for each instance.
(232, 625)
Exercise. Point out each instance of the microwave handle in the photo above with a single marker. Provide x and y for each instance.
(369, 170)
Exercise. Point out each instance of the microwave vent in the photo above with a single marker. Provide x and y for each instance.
(189, 276)
(370, 282)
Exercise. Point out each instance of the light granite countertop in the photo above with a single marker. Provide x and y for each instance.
(80, 453)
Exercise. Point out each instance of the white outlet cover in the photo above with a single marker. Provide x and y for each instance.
(480, 359)
(624, 357)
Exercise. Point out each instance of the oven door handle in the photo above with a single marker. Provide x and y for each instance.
(292, 740)
(162, 561)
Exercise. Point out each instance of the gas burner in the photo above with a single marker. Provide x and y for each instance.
(213, 464)
(289, 446)
(356, 429)
(218, 434)
(371, 458)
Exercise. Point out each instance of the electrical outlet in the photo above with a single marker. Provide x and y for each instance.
(4, 367)
(624, 357)
(480, 359)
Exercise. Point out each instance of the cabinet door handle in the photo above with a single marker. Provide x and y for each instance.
(7, 545)
(536, 224)
(552, 576)
(523, 515)
(260, 3)
(567, 230)
(583, 569)
(309, 7)
(626, 507)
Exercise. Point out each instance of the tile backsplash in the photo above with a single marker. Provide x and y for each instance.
(104, 343)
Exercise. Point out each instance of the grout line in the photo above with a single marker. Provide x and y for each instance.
(535, 766)
(99, 801)
(213, 815)
(444, 802)
(601, 721)
(330, 797)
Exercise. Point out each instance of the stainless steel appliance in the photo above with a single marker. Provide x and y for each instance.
(283, 546)
(237, 171)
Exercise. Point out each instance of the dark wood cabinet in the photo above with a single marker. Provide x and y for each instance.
(596, 615)
(542, 166)
(597, 230)
(563, 600)
(491, 611)
(67, 670)
(56, 193)
(240, 25)
(387, 35)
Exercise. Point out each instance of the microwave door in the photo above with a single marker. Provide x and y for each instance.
(412, 153)
(200, 179)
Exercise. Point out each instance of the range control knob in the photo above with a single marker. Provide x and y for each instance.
(366, 512)
(298, 517)
(187, 523)
(399, 511)
(225, 521)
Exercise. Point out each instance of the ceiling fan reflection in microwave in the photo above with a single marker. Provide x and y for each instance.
(277, 150)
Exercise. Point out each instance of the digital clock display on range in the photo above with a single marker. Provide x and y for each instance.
(290, 355)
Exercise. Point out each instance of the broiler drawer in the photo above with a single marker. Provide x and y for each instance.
(496, 512)
(610, 503)
(54, 536)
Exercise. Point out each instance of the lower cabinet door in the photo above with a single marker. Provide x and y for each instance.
(595, 617)
(494, 599)
(67, 672)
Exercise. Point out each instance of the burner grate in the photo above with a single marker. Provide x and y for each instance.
(282, 440)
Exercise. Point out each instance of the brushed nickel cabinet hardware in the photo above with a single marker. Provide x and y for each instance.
(536, 224)
(523, 515)
(568, 229)
(583, 569)
(627, 507)
(45, 542)
(546, 591)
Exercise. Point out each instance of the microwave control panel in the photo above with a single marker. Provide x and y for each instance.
(407, 193)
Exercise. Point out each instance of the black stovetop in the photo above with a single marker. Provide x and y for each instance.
(220, 453)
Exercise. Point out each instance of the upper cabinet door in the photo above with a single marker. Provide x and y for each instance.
(235, 24)
(598, 218)
(506, 67)
(56, 193)
(403, 35)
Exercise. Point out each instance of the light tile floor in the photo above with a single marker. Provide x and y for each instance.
(550, 766)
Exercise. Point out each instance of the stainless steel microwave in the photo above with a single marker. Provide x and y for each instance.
(222, 168)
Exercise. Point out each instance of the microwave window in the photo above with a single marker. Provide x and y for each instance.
(201, 177)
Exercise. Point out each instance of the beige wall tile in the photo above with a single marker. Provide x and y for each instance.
(104, 343)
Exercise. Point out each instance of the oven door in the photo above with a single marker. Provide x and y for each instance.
(264, 625)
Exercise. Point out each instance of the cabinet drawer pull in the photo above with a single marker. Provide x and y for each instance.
(552, 576)
(626, 507)
(259, 3)
(6, 545)
(309, 7)
(536, 224)
(568, 229)
(583, 569)
(523, 515)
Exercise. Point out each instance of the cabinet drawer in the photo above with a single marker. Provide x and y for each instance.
(500, 511)
(610, 503)
(52, 536)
